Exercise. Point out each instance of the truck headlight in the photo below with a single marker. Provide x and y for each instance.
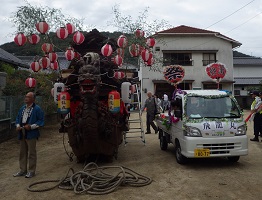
(241, 130)
(192, 132)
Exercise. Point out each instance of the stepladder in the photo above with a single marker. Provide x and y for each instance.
(135, 121)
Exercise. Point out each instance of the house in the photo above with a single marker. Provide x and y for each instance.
(193, 49)
(247, 76)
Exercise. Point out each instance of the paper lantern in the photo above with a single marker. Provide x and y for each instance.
(150, 42)
(126, 92)
(119, 75)
(44, 62)
(146, 55)
(174, 74)
(70, 28)
(78, 37)
(134, 50)
(42, 27)
(52, 56)
(30, 82)
(150, 62)
(35, 66)
(20, 39)
(122, 41)
(33, 39)
(54, 65)
(62, 33)
(63, 103)
(139, 33)
(69, 54)
(47, 48)
(106, 50)
(118, 60)
(120, 52)
(114, 102)
(58, 88)
(216, 71)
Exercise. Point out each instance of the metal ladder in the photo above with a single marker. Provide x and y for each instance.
(136, 123)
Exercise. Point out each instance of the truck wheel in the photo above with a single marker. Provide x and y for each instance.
(179, 157)
(163, 143)
(233, 158)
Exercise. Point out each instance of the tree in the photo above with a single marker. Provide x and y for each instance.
(127, 25)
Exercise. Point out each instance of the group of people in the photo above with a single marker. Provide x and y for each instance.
(256, 114)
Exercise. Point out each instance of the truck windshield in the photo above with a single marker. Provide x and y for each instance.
(215, 107)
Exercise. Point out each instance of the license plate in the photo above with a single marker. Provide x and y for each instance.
(202, 152)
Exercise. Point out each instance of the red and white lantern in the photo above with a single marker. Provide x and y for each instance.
(47, 48)
(139, 33)
(134, 50)
(44, 62)
(30, 82)
(107, 50)
(146, 55)
(35, 66)
(69, 54)
(42, 27)
(62, 33)
(78, 37)
(122, 41)
(52, 56)
(150, 42)
(20, 39)
(54, 65)
(118, 60)
(119, 75)
(70, 28)
(33, 39)
(150, 62)
(120, 52)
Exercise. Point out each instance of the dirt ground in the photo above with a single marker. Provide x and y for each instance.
(199, 179)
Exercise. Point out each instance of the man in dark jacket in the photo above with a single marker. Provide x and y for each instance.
(30, 117)
(151, 106)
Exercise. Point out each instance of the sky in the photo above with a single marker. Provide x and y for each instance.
(240, 20)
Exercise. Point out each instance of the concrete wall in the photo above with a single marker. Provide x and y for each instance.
(248, 71)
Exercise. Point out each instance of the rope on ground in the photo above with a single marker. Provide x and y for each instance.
(95, 180)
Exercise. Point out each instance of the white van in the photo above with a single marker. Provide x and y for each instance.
(210, 124)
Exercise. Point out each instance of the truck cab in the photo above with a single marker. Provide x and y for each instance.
(209, 123)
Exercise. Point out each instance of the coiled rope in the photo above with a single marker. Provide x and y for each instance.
(95, 180)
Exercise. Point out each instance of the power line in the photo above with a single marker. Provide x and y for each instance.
(230, 14)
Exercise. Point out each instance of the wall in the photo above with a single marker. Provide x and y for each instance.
(197, 45)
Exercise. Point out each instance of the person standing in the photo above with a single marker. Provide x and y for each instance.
(257, 115)
(165, 102)
(158, 103)
(30, 117)
(150, 104)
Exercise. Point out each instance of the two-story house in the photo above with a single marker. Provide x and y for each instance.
(193, 49)
(247, 76)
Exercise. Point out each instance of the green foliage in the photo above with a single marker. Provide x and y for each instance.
(7, 68)
(15, 86)
(25, 18)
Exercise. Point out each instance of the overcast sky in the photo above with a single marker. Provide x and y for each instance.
(237, 19)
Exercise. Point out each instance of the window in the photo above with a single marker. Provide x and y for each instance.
(209, 58)
(184, 59)
(237, 92)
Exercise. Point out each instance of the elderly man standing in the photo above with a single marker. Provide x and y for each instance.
(30, 117)
(150, 104)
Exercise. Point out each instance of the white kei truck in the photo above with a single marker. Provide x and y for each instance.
(210, 124)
